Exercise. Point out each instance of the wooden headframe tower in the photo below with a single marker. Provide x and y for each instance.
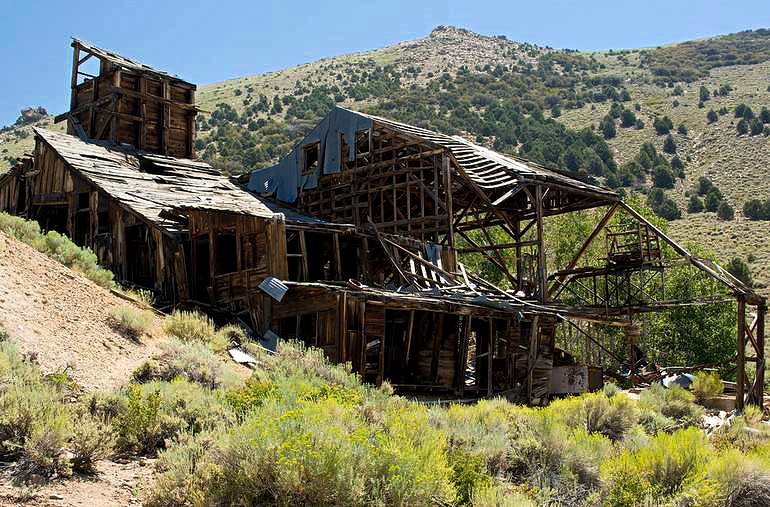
(128, 102)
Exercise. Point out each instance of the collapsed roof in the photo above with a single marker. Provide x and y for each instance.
(489, 170)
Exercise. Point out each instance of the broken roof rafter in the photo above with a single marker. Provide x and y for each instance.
(123, 62)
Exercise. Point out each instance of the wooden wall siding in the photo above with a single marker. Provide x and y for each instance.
(133, 104)
(14, 197)
(259, 251)
(92, 219)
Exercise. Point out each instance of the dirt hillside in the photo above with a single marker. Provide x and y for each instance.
(62, 317)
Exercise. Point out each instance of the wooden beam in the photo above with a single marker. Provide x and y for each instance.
(542, 282)
(409, 328)
(740, 376)
(599, 227)
(466, 333)
(759, 379)
(490, 355)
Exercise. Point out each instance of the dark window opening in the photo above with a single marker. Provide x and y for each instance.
(320, 256)
(82, 226)
(310, 157)
(104, 222)
(139, 261)
(84, 201)
(202, 269)
(21, 201)
(363, 144)
(51, 217)
(225, 254)
(349, 260)
(294, 257)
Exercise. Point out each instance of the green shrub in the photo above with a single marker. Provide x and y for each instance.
(160, 411)
(743, 480)
(192, 361)
(250, 396)
(60, 248)
(660, 469)
(610, 389)
(194, 326)
(43, 451)
(92, 440)
(28, 405)
(743, 433)
(130, 322)
(25, 231)
(674, 403)
(485, 429)
(596, 413)
(468, 475)
(706, 386)
(319, 453)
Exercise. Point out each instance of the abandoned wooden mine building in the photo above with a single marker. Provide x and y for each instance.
(353, 242)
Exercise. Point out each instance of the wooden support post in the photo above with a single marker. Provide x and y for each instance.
(74, 77)
(305, 276)
(759, 334)
(409, 328)
(166, 116)
(93, 210)
(191, 126)
(142, 134)
(490, 355)
(740, 376)
(464, 353)
(438, 335)
(446, 168)
(337, 257)
(542, 282)
(115, 107)
(519, 271)
(381, 368)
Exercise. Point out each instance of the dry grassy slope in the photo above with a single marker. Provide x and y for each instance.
(444, 50)
(738, 165)
(62, 317)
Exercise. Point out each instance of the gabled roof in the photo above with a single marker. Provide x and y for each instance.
(125, 63)
(486, 168)
(152, 185)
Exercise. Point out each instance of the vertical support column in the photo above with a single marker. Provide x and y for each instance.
(74, 77)
(93, 210)
(115, 107)
(490, 355)
(191, 126)
(337, 256)
(517, 232)
(740, 376)
(463, 362)
(446, 167)
(142, 134)
(165, 116)
(542, 286)
(759, 334)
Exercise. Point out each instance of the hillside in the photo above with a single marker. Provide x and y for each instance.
(62, 317)
(517, 97)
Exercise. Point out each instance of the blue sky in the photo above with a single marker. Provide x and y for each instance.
(206, 42)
